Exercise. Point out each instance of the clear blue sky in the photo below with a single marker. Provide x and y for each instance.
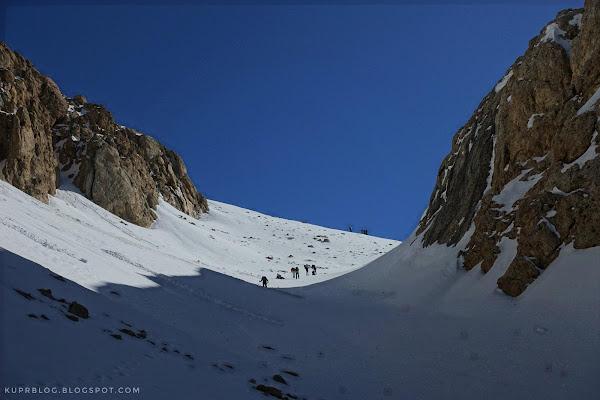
(336, 115)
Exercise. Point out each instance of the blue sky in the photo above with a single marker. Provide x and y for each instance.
(332, 114)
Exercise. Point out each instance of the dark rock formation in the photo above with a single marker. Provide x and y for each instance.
(270, 391)
(77, 309)
(525, 165)
(24, 294)
(72, 317)
(47, 293)
(46, 138)
(128, 332)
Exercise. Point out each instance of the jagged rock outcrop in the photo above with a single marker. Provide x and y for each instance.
(46, 139)
(526, 165)
(30, 105)
(119, 168)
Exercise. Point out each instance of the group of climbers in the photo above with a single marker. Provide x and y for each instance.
(295, 273)
(363, 231)
(307, 267)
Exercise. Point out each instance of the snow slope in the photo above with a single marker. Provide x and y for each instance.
(74, 232)
(411, 324)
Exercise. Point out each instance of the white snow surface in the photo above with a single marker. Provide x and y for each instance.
(490, 176)
(588, 155)
(576, 20)
(555, 34)
(411, 324)
(556, 190)
(503, 81)
(228, 239)
(532, 119)
(590, 105)
(515, 190)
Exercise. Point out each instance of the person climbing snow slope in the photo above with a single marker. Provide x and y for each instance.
(264, 281)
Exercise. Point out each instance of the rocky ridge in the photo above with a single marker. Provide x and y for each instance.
(526, 166)
(47, 139)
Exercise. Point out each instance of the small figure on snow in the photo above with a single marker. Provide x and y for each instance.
(297, 270)
(279, 276)
(306, 268)
(264, 281)
(314, 269)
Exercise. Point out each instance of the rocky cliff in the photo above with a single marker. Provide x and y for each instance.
(526, 165)
(46, 139)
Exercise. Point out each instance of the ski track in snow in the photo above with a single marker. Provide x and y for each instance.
(169, 281)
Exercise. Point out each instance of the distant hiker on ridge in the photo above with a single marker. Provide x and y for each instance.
(264, 281)
(297, 273)
(306, 268)
(314, 268)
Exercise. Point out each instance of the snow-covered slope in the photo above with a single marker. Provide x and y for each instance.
(412, 324)
(162, 310)
(73, 236)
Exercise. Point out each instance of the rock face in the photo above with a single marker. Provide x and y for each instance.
(526, 166)
(47, 139)
(118, 168)
(30, 105)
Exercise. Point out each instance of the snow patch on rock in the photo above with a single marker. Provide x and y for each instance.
(555, 34)
(532, 119)
(515, 190)
(504, 81)
(590, 105)
(491, 170)
(589, 155)
(576, 20)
